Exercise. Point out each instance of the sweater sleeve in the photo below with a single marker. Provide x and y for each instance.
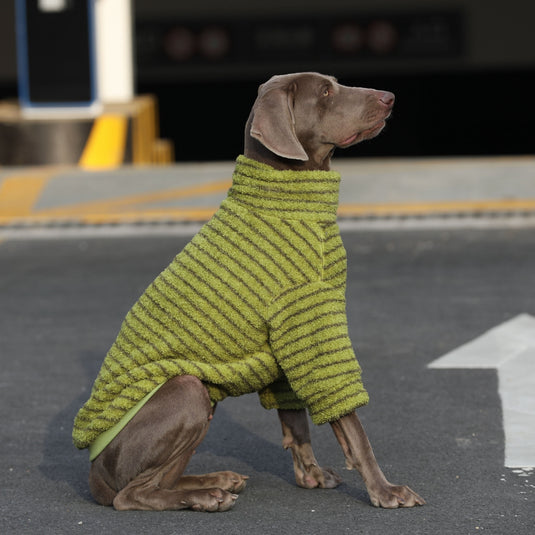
(310, 341)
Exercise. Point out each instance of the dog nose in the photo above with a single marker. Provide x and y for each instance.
(387, 98)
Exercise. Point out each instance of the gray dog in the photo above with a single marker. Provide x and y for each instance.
(255, 302)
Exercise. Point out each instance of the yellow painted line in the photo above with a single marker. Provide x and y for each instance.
(122, 204)
(194, 214)
(18, 194)
(131, 209)
(173, 215)
(435, 208)
(106, 144)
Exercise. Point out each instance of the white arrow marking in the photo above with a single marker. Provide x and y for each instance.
(510, 348)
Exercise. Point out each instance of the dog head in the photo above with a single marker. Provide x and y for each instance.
(305, 116)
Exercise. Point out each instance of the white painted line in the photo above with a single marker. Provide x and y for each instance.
(454, 222)
(493, 348)
(99, 231)
(517, 390)
(510, 348)
(69, 230)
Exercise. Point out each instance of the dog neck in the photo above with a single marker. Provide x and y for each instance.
(318, 160)
(286, 194)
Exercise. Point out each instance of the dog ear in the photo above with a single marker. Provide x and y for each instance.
(274, 123)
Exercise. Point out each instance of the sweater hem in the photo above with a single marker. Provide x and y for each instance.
(98, 445)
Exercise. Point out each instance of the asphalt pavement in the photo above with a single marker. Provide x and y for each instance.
(451, 256)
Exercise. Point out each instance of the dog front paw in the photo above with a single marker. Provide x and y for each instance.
(314, 476)
(393, 496)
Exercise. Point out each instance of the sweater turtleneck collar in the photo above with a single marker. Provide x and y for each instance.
(304, 195)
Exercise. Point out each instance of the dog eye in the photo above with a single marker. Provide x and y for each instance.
(326, 92)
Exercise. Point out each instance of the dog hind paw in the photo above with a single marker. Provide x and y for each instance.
(210, 500)
(227, 480)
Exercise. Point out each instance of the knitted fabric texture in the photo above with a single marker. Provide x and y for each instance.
(254, 303)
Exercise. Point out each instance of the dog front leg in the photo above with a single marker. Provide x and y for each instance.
(296, 437)
(359, 454)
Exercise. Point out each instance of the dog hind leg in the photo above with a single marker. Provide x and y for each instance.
(142, 467)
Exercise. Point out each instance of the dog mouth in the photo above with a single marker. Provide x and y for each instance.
(361, 136)
(349, 141)
(369, 133)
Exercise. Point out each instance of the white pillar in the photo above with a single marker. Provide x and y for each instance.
(115, 71)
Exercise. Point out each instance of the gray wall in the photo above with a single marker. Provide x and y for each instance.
(8, 66)
(499, 34)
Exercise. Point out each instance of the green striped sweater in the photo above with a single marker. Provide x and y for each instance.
(254, 303)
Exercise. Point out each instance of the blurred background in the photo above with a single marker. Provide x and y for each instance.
(463, 70)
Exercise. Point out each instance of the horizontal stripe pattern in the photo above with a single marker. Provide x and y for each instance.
(310, 195)
(309, 338)
(255, 302)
